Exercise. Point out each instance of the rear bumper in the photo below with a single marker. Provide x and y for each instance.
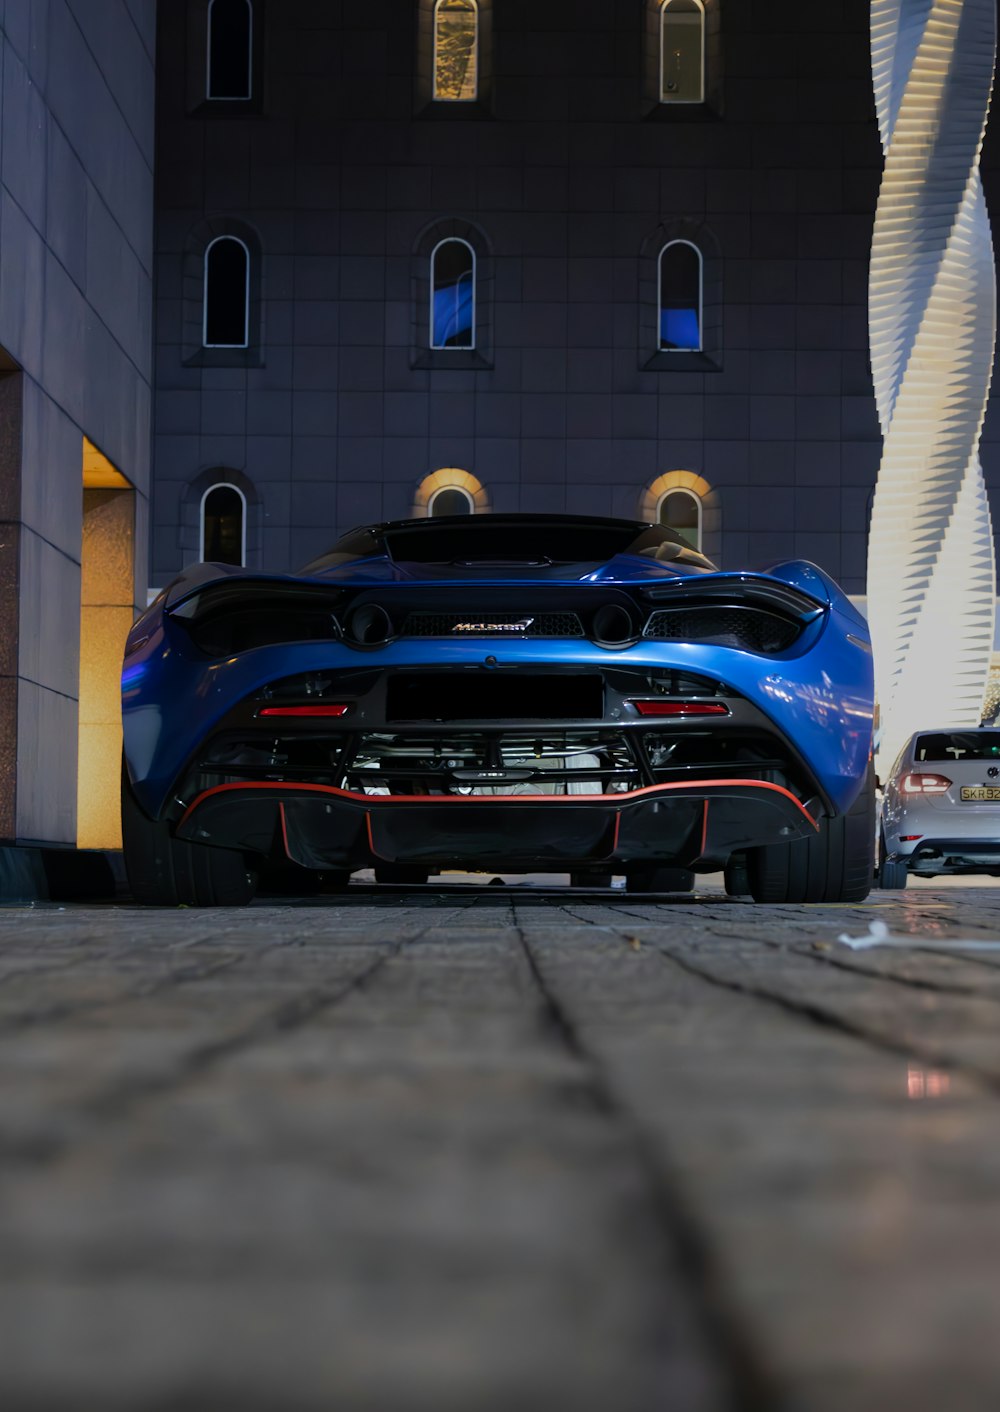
(697, 823)
(175, 699)
(952, 855)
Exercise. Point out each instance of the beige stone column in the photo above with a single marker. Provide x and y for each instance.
(106, 614)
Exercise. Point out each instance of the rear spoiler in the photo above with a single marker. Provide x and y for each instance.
(242, 593)
(738, 589)
(225, 579)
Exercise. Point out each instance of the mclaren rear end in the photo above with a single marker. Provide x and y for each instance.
(640, 714)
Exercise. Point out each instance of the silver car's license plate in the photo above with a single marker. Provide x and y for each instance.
(977, 793)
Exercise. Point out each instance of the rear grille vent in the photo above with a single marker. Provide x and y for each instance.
(751, 629)
(505, 624)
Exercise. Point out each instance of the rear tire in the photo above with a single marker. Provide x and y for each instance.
(737, 878)
(164, 871)
(653, 879)
(281, 878)
(334, 880)
(890, 875)
(403, 873)
(835, 865)
(583, 878)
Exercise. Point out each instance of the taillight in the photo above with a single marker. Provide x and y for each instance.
(914, 783)
(239, 615)
(681, 708)
(313, 711)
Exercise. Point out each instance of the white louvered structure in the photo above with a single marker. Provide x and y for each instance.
(932, 316)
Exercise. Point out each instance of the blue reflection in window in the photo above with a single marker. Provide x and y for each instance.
(453, 295)
(679, 328)
(453, 315)
(680, 296)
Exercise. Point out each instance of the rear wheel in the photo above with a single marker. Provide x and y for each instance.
(404, 873)
(649, 879)
(334, 880)
(583, 878)
(164, 871)
(281, 878)
(737, 877)
(890, 875)
(834, 865)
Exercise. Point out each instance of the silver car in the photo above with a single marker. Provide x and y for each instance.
(941, 807)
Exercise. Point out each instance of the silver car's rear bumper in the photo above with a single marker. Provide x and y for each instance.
(950, 855)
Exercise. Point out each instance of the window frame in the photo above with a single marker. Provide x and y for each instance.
(246, 295)
(425, 106)
(444, 347)
(449, 490)
(222, 485)
(653, 108)
(703, 28)
(435, 95)
(699, 508)
(680, 240)
(248, 97)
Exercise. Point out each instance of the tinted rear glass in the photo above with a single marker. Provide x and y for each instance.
(492, 539)
(488, 540)
(958, 745)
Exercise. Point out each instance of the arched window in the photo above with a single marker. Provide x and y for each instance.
(450, 500)
(450, 491)
(680, 296)
(682, 51)
(685, 502)
(230, 50)
(453, 295)
(456, 51)
(680, 510)
(227, 294)
(223, 525)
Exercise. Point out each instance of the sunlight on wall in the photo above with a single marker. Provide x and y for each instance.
(106, 615)
(670, 480)
(447, 478)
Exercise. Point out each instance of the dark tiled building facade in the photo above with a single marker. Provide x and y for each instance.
(566, 175)
(76, 311)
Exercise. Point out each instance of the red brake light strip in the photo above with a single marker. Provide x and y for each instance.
(314, 711)
(681, 708)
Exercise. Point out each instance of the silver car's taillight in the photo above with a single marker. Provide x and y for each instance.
(914, 783)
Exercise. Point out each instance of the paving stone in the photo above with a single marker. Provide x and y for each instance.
(479, 1149)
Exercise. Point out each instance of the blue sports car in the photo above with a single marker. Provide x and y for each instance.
(500, 692)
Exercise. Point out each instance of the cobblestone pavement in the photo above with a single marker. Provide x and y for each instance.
(495, 1149)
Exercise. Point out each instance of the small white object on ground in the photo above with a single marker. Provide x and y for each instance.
(879, 935)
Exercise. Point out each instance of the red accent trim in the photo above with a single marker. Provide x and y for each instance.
(303, 711)
(613, 801)
(284, 828)
(618, 829)
(371, 841)
(704, 830)
(681, 708)
(372, 847)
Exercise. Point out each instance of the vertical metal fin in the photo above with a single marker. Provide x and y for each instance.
(932, 323)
